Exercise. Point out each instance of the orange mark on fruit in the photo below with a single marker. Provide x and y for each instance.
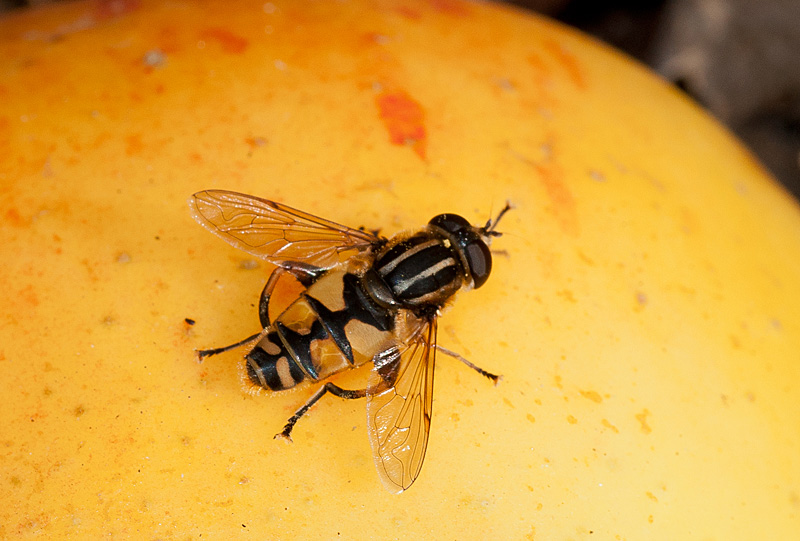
(451, 7)
(551, 175)
(404, 119)
(568, 61)
(563, 202)
(255, 142)
(133, 145)
(542, 77)
(169, 40)
(642, 418)
(372, 38)
(13, 217)
(594, 396)
(108, 9)
(409, 13)
(537, 63)
(567, 295)
(28, 295)
(230, 42)
(413, 11)
(585, 258)
(606, 423)
(5, 127)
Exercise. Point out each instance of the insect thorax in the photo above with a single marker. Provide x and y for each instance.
(421, 270)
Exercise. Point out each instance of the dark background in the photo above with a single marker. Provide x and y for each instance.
(740, 59)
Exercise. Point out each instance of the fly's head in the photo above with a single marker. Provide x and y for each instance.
(471, 243)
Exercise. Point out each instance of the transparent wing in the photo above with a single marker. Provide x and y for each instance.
(399, 400)
(275, 232)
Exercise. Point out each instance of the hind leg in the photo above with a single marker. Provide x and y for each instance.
(203, 353)
(327, 388)
(305, 274)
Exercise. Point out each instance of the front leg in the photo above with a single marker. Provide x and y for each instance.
(494, 377)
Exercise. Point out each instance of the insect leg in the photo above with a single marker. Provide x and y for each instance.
(327, 388)
(494, 377)
(203, 353)
(305, 274)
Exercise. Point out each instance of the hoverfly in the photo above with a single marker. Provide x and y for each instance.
(366, 298)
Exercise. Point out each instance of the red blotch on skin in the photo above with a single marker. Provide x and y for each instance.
(536, 61)
(568, 61)
(451, 7)
(255, 142)
(230, 42)
(404, 119)
(542, 78)
(5, 130)
(133, 145)
(13, 217)
(29, 296)
(107, 9)
(169, 40)
(409, 13)
(371, 38)
(563, 206)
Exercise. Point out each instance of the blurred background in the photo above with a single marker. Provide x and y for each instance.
(740, 59)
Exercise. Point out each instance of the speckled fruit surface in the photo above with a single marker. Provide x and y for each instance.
(645, 315)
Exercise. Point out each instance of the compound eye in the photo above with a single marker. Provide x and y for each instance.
(479, 259)
(452, 223)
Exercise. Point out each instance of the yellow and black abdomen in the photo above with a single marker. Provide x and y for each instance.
(331, 327)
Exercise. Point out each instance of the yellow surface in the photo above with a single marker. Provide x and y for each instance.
(646, 319)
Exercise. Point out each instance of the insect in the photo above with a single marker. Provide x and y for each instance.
(366, 298)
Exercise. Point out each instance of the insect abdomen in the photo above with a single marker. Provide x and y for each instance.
(331, 327)
(271, 366)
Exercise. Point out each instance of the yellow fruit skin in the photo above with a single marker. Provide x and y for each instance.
(646, 317)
